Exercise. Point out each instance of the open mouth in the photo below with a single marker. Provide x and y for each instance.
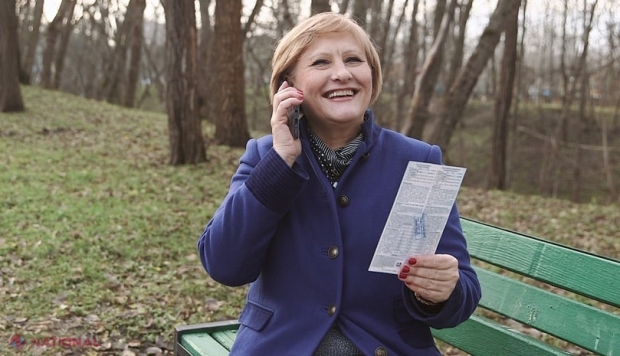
(340, 93)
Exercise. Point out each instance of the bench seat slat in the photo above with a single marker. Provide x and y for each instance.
(570, 269)
(480, 336)
(225, 337)
(591, 328)
(203, 344)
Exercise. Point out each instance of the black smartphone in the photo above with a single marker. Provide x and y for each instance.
(293, 121)
(293, 116)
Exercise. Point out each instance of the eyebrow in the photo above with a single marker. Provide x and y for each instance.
(314, 55)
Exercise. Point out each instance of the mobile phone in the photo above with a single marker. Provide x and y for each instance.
(293, 121)
(293, 116)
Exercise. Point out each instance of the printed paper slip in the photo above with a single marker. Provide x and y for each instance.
(418, 216)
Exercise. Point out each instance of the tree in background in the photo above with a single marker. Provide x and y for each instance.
(553, 71)
(123, 69)
(206, 74)
(503, 100)
(185, 128)
(459, 93)
(10, 92)
(54, 53)
(410, 66)
(135, 15)
(418, 112)
(231, 121)
(30, 33)
(318, 6)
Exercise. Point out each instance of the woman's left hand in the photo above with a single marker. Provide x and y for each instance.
(432, 277)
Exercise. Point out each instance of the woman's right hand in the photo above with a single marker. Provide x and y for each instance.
(283, 142)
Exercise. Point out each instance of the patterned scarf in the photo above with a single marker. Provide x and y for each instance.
(334, 162)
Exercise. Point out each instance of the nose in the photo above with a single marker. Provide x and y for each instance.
(341, 72)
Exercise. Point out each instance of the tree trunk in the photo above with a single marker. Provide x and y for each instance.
(287, 18)
(231, 128)
(392, 83)
(343, 7)
(136, 39)
(375, 19)
(61, 54)
(115, 81)
(10, 91)
(320, 6)
(458, 95)
(418, 112)
(32, 39)
(53, 29)
(206, 99)
(607, 166)
(518, 86)
(560, 132)
(382, 40)
(64, 15)
(255, 11)
(499, 140)
(360, 11)
(185, 129)
(410, 56)
(459, 43)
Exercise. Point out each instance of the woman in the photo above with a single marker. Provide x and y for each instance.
(303, 216)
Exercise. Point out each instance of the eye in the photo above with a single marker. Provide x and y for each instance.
(354, 59)
(320, 62)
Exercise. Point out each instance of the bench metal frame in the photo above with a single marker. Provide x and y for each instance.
(569, 294)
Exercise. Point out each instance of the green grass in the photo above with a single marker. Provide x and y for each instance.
(98, 233)
(95, 223)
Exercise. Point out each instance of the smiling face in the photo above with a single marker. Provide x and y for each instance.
(336, 79)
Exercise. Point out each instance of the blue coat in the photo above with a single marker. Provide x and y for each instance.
(305, 247)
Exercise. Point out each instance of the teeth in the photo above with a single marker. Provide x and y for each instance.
(340, 93)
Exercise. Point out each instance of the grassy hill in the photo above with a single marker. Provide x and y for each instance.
(98, 234)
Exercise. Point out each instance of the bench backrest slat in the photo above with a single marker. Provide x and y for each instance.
(480, 336)
(591, 328)
(570, 269)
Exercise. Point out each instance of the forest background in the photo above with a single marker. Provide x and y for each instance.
(523, 94)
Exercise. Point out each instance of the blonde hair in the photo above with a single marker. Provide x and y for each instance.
(300, 37)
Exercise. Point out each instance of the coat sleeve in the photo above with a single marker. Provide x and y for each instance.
(234, 244)
(467, 293)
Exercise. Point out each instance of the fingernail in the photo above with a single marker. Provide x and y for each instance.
(402, 276)
(405, 269)
(412, 261)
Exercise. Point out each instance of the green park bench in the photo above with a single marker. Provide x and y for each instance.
(548, 291)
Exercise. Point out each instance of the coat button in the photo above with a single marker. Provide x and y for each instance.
(332, 310)
(381, 351)
(333, 252)
(343, 201)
